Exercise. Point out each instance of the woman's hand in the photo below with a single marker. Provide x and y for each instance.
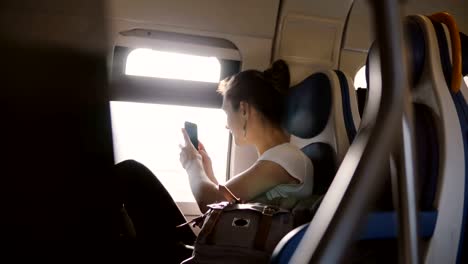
(188, 154)
(204, 187)
(207, 165)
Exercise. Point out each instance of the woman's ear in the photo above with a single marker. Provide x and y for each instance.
(244, 109)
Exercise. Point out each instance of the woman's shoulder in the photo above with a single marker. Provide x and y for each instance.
(291, 158)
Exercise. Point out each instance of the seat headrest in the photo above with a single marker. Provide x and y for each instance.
(308, 106)
(415, 49)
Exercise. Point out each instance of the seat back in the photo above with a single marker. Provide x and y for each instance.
(321, 113)
(425, 124)
(437, 133)
(289, 244)
(459, 91)
(439, 138)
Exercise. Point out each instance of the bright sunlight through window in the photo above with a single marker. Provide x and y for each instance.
(151, 134)
(360, 78)
(153, 63)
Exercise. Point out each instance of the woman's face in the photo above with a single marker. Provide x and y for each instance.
(235, 122)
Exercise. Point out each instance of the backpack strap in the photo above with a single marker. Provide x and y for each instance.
(230, 197)
(197, 221)
(264, 228)
(209, 225)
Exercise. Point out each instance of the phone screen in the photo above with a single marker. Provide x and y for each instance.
(191, 129)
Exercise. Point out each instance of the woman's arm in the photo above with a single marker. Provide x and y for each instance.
(259, 178)
(204, 189)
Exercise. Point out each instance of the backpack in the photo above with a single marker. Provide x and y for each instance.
(236, 232)
(240, 233)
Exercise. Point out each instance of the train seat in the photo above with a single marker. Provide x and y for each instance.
(322, 115)
(453, 45)
(439, 142)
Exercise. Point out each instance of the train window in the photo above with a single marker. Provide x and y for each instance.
(151, 134)
(154, 63)
(148, 113)
(360, 78)
(466, 80)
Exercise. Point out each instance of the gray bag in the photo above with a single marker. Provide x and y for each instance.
(240, 233)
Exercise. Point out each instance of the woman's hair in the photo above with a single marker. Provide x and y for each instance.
(263, 90)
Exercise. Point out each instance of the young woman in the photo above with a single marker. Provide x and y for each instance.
(253, 102)
(282, 175)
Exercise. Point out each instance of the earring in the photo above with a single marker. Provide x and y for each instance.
(244, 129)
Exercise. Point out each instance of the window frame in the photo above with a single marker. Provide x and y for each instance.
(169, 91)
(155, 90)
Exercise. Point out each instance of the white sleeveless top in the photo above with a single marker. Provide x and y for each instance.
(299, 166)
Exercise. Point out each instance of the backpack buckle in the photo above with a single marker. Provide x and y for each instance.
(268, 211)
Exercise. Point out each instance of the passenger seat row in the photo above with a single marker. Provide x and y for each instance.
(323, 112)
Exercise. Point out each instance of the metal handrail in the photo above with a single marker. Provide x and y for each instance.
(404, 191)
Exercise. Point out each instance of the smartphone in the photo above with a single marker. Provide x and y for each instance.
(191, 129)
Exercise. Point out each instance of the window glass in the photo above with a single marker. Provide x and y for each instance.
(151, 134)
(360, 78)
(153, 63)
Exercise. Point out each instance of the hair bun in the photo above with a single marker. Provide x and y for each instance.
(278, 76)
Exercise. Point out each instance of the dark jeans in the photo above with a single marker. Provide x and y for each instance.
(152, 210)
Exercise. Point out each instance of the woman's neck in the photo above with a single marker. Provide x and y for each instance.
(269, 139)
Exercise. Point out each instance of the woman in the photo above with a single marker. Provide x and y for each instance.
(253, 102)
(282, 175)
